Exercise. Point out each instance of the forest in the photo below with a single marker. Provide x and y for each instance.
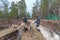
(45, 9)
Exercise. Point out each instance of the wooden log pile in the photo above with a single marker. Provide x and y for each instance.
(9, 33)
(51, 24)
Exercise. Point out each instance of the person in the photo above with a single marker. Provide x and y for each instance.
(25, 22)
(37, 21)
(24, 19)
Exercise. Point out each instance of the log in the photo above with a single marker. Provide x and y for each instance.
(8, 31)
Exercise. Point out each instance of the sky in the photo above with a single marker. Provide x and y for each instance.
(29, 4)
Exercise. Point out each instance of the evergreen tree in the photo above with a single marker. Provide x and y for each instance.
(22, 7)
(5, 2)
(1, 14)
(14, 10)
(27, 15)
(36, 9)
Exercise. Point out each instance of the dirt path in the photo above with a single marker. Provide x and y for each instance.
(35, 36)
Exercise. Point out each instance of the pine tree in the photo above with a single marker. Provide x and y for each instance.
(1, 14)
(36, 9)
(22, 7)
(5, 2)
(14, 10)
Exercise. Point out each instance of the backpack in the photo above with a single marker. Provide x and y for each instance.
(25, 19)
